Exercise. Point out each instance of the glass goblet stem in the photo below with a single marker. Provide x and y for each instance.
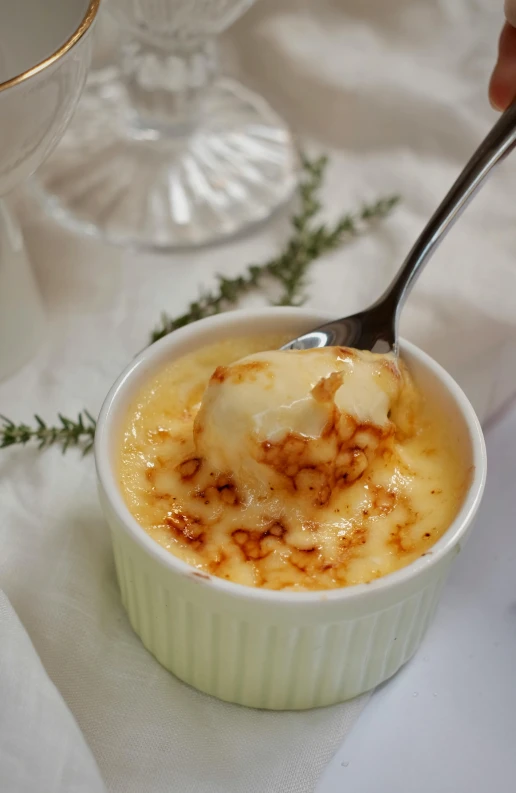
(166, 87)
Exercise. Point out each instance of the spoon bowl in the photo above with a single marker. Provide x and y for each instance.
(373, 329)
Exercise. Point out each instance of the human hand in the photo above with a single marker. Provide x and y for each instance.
(502, 88)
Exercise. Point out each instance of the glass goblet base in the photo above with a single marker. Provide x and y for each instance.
(113, 178)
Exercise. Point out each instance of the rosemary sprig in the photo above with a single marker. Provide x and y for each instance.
(68, 433)
(309, 240)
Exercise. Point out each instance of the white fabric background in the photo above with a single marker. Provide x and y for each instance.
(41, 746)
(396, 92)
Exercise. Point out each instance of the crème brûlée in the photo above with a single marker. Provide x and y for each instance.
(294, 470)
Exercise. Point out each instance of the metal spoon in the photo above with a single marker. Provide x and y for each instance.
(376, 328)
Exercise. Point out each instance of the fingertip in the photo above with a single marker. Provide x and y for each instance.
(502, 86)
(496, 94)
(495, 105)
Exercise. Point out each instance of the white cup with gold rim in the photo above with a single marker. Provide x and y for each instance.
(260, 647)
(45, 52)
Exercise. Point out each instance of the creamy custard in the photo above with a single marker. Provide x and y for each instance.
(290, 470)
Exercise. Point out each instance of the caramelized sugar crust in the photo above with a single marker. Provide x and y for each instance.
(368, 500)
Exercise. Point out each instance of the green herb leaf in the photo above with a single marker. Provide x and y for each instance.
(68, 433)
(309, 240)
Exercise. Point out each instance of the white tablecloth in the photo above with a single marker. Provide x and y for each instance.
(396, 93)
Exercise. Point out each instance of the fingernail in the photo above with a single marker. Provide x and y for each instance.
(495, 105)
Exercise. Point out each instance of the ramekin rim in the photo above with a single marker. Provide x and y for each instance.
(107, 478)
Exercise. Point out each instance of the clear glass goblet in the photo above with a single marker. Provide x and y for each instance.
(45, 52)
(169, 154)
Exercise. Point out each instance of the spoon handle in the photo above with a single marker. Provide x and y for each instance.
(499, 142)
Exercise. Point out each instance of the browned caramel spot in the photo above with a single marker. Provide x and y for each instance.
(227, 490)
(401, 538)
(293, 457)
(239, 372)
(188, 468)
(285, 455)
(220, 374)
(253, 543)
(327, 387)
(316, 482)
(384, 501)
(198, 428)
(353, 539)
(392, 366)
(222, 489)
(276, 529)
(158, 436)
(250, 543)
(186, 528)
(347, 352)
(350, 465)
(312, 563)
(218, 559)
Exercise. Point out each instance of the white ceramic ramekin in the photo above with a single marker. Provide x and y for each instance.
(256, 647)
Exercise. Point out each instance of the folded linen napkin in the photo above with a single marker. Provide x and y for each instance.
(41, 746)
